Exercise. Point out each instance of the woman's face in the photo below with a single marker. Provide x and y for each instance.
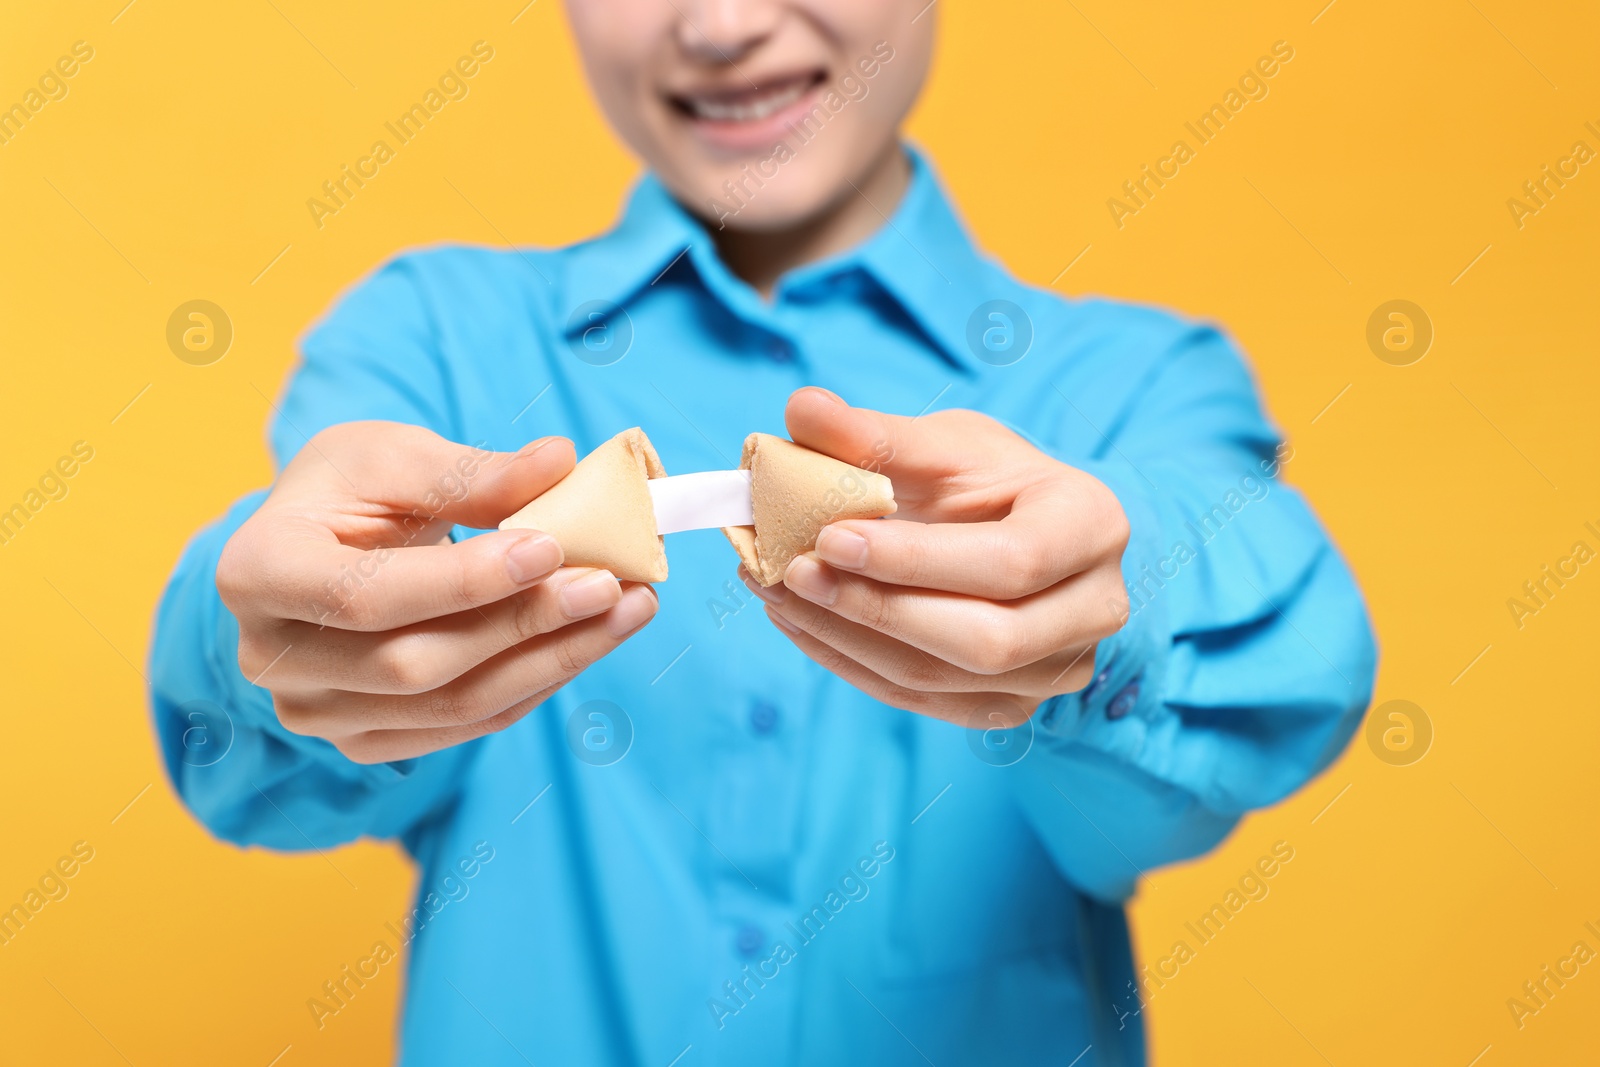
(756, 114)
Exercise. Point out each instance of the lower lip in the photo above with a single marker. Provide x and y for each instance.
(757, 135)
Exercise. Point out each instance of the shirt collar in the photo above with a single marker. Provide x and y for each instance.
(924, 259)
(921, 257)
(650, 237)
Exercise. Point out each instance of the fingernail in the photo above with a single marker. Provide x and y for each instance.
(532, 558)
(533, 446)
(782, 623)
(772, 595)
(842, 547)
(829, 393)
(590, 595)
(812, 580)
(637, 607)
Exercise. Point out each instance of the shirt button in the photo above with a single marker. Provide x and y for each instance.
(1124, 701)
(779, 350)
(750, 940)
(763, 718)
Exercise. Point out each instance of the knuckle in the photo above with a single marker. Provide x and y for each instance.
(359, 748)
(1119, 531)
(874, 684)
(447, 707)
(469, 582)
(874, 611)
(907, 672)
(935, 705)
(1077, 674)
(1113, 519)
(827, 628)
(401, 665)
(914, 564)
(570, 659)
(252, 659)
(1120, 607)
(997, 645)
(910, 672)
(357, 612)
(478, 574)
(294, 716)
(237, 574)
(1112, 595)
(231, 571)
(1082, 672)
(925, 674)
(528, 614)
(1024, 573)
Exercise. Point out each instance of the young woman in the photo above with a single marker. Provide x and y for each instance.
(886, 811)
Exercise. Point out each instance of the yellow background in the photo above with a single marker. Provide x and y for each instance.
(1378, 168)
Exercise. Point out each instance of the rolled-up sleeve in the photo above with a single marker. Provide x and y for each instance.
(1246, 660)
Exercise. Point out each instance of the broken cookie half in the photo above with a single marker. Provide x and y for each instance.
(601, 513)
(794, 493)
(612, 509)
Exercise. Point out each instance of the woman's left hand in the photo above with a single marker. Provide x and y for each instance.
(988, 590)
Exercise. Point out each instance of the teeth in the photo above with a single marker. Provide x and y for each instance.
(753, 111)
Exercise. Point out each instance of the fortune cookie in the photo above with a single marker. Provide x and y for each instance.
(795, 493)
(601, 513)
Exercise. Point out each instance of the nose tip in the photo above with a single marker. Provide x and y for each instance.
(724, 31)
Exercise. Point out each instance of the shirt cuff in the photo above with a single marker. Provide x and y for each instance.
(254, 705)
(251, 703)
(1122, 711)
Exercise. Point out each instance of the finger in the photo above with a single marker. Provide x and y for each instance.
(906, 665)
(948, 458)
(960, 708)
(409, 471)
(304, 657)
(539, 666)
(1043, 540)
(293, 568)
(823, 421)
(386, 746)
(983, 636)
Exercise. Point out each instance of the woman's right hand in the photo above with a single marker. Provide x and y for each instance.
(373, 630)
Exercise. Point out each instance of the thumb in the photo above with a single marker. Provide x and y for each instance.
(408, 470)
(937, 447)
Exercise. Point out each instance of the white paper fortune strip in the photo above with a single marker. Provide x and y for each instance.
(703, 501)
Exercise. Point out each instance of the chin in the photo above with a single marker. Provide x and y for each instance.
(773, 210)
(761, 195)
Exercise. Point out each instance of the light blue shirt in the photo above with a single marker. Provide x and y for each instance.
(708, 847)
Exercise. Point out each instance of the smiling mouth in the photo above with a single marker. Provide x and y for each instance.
(746, 105)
